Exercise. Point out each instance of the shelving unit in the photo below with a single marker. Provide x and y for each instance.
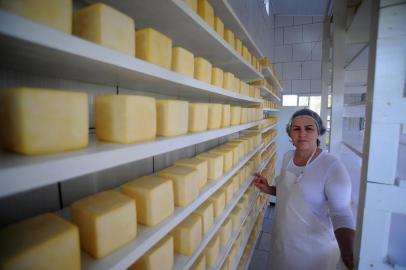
(269, 75)
(247, 265)
(270, 110)
(268, 128)
(265, 92)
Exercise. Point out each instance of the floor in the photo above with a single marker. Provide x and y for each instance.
(262, 253)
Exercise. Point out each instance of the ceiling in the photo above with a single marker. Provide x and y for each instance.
(299, 7)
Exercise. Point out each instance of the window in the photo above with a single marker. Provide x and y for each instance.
(266, 3)
(329, 101)
(315, 104)
(289, 100)
(304, 101)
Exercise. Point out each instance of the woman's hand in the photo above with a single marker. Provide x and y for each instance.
(262, 184)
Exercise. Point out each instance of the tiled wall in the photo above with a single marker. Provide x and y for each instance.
(297, 53)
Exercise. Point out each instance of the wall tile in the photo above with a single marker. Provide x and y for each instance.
(317, 19)
(297, 20)
(287, 86)
(315, 86)
(281, 21)
(317, 50)
(279, 69)
(312, 32)
(292, 71)
(278, 36)
(311, 70)
(301, 52)
(292, 34)
(282, 53)
(300, 86)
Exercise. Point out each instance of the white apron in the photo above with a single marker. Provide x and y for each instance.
(300, 240)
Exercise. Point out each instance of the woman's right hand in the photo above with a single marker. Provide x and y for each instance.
(262, 183)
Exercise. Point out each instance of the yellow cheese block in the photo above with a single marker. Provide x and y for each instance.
(226, 116)
(215, 164)
(198, 117)
(235, 115)
(52, 13)
(245, 52)
(42, 242)
(154, 47)
(217, 75)
(236, 216)
(200, 165)
(105, 26)
(160, 257)
(206, 213)
(154, 197)
(212, 251)
(244, 142)
(238, 46)
(185, 183)
(227, 157)
(228, 81)
(125, 118)
(192, 4)
(203, 70)
(200, 263)
(188, 235)
(225, 232)
(240, 145)
(229, 37)
(206, 11)
(236, 152)
(244, 116)
(106, 221)
(219, 202)
(219, 26)
(228, 189)
(241, 174)
(236, 182)
(236, 87)
(183, 61)
(232, 254)
(252, 91)
(215, 113)
(244, 89)
(249, 57)
(40, 121)
(172, 117)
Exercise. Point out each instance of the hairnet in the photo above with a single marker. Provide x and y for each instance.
(309, 113)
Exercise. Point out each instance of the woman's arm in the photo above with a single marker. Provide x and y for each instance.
(262, 184)
(345, 240)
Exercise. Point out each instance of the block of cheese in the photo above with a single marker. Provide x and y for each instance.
(229, 37)
(154, 197)
(41, 121)
(198, 116)
(236, 182)
(228, 81)
(212, 251)
(215, 164)
(236, 216)
(105, 26)
(225, 232)
(36, 242)
(125, 118)
(241, 176)
(228, 189)
(235, 115)
(243, 202)
(219, 26)
(215, 113)
(192, 4)
(226, 116)
(183, 61)
(236, 87)
(240, 145)
(172, 117)
(236, 152)
(244, 142)
(206, 11)
(200, 165)
(227, 157)
(52, 13)
(245, 52)
(206, 213)
(244, 116)
(154, 47)
(106, 221)
(203, 70)
(252, 91)
(217, 76)
(238, 46)
(185, 183)
(249, 57)
(188, 235)
(219, 202)
(160, 257)
(244, 88)
(200, 263)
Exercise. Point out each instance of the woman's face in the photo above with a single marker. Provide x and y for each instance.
(303, 133)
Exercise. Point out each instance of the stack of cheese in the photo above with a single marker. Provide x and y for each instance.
(269, 136)
(269, 122)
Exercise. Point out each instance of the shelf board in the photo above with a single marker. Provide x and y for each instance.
(358, 31)
(148, 237)
(269, 75)
(268, 128)
(354, 141)
(270, 110)
(178, 21)
(266, 146)
(50, 169)
(37, 49)
(354, 110)
(226, 13)
(265, 92)
(247, 265)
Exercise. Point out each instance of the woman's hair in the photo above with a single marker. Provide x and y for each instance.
(309, 113)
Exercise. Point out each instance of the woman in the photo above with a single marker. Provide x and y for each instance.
(312, 213)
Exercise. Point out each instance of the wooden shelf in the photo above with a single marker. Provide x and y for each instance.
(49, 169)
(269, 75)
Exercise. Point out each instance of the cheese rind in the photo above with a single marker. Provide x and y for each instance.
(105, 26)
(228, 189)
(188, 235)
(198, 117)
(227, 157)
(154, 198)
(229, 37)
(185, 183)
(235, 115)
(238, 45)
(125, 118)
(36, 242)
(206, 213)
(244, 116)
(206, 11)
(29, 114)
(226, 116)
(215, 113)
(183, 61)
(219, 26)
(172, 117)
(215, 164)
(200, 165)
(212, 251)
(228, 81)
(219, 202)
(160, 257)
(154, 47)
(203, 70)
(106, 221)
(217, 75)
(56, 14)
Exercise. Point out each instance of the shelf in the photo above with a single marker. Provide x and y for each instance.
(265, 92)
(247, 265)
(184, 262)
(178, 21)
(148, 237)
(268, 128)
(354, 110)
(33, 48)
(225, 12)
(269, 75)
(270, 110)
(354, 141)
(266, 146)
(50, 169)
(359, 29)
